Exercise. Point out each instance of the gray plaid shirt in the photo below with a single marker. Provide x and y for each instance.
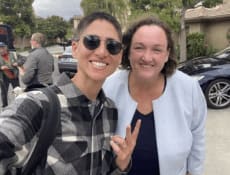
(81, 146)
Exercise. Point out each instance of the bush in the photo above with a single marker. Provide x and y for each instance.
(196, 45)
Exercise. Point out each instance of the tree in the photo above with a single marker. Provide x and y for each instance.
(117, 8)
(19, 14)
(166, 10)
(53, 27)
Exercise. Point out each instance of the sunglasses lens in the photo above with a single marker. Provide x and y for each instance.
(113, 47)
(91, 42)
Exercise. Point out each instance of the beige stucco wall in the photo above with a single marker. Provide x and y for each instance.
(196, 28)
(216, 34)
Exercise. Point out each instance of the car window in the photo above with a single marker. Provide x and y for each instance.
(226, 50)
(223, 55)
(68, 50)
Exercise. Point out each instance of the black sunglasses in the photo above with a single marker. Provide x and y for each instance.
(92, 42)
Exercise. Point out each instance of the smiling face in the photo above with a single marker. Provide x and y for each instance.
(98, 63)
(148, 52)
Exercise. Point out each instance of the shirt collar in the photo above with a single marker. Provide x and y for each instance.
(73, 93)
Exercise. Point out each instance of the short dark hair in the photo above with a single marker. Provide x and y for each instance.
(87, 20)
(170, 65)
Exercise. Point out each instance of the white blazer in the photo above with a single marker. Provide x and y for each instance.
(180, 114)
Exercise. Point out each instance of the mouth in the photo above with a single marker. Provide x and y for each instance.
(147, 65)
(99, 65)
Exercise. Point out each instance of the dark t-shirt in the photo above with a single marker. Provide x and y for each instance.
(145, 156)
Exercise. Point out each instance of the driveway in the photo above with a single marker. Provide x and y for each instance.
(218, 142)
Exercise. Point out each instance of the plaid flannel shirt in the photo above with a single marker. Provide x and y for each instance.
(81, 146)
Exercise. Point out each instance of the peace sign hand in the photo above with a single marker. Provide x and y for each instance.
(124, 147)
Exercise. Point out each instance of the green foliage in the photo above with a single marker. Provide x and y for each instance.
(189, 3)
(18, 14)
(117, 8)
(196, 46)
(110, 6)
(166, 10)
(169, 11)
(53, 27)
(211, 3)
(206, 3)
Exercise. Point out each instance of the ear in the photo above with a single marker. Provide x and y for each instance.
(74, 48)
(167, 56)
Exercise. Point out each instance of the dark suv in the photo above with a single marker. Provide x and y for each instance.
(6, 36)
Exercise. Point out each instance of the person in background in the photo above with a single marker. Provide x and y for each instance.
(39, 65)
(8, 72)
(85, 143)
(170, 104)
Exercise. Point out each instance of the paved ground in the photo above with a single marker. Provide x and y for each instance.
(218, 142)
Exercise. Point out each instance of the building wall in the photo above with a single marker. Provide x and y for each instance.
(196, 28)
(213, 22)
(216, 34)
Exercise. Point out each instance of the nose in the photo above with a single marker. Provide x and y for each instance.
(102, 51)
(147, 56)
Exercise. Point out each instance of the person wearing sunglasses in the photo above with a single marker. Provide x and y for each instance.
(85, 142)
(170, 104)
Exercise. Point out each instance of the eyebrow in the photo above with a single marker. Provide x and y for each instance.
(154, 45)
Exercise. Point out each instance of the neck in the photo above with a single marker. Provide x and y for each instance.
(150, 89)
(89, 88)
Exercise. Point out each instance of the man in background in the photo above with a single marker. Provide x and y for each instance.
(39, 64)
(8, 72)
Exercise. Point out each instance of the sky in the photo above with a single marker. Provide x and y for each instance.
(64, 8)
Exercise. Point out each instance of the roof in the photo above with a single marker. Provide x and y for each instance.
(220, 12)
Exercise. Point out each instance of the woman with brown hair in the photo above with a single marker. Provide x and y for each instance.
(169, 103)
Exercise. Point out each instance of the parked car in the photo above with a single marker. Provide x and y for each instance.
(213, 74)
(6, 36)
(66, 62)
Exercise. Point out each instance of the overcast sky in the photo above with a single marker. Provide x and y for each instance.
(63, 8)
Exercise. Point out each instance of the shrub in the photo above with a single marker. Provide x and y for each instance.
(196, 45)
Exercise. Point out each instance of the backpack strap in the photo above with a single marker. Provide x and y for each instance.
(48, 131)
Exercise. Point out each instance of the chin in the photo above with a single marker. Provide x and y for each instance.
(98, 77)
(146, 75)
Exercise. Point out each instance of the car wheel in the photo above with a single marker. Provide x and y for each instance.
(217, 94)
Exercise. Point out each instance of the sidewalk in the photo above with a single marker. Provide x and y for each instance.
(218, 142)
